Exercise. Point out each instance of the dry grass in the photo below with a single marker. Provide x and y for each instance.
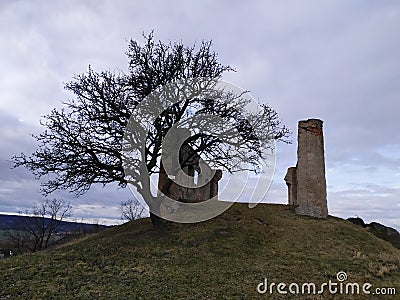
(223, 258)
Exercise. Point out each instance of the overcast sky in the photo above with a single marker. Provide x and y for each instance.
(335, 60)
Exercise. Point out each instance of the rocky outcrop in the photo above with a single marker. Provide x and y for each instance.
(386, 233)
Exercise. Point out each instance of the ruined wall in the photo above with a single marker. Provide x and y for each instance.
(307, 183)
(291, 182)
(184, 188)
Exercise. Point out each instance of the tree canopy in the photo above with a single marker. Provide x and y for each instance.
(83, 143)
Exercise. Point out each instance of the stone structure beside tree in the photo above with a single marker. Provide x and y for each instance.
(196, 181)
(306, 182)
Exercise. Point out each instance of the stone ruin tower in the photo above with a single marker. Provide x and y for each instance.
(306, 182)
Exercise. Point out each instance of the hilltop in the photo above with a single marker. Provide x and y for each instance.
(223, 258)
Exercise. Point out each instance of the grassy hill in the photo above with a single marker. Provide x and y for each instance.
(223, 258)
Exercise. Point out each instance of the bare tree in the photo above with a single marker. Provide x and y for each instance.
(131, 209)
(83, 143)
(38, 231)
(18, 240)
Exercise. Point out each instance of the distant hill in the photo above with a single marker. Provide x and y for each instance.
(223, 258)
(7, 222)
(384, 232)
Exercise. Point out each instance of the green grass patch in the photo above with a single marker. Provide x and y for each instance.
(223, 258)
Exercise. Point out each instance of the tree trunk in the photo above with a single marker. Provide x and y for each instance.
(158, 222)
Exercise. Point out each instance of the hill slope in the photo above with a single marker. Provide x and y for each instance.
(223, 258)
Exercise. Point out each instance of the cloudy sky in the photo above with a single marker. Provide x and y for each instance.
(336, 60)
